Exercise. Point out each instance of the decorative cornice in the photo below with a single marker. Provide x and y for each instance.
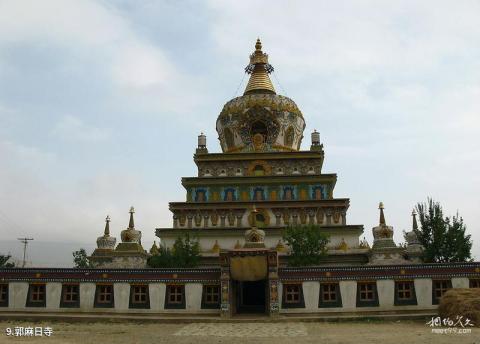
(208, 275)
(271, 179)
(259, 155)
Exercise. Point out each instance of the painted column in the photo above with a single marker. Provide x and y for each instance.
(225, 286)
(273, 285)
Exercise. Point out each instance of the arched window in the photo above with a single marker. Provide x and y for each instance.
(259, 127)
(260, 220)
(258, 170)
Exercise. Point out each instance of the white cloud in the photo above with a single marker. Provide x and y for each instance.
(72, 128)
(88, 28)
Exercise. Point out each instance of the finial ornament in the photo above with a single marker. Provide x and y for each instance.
(258, 45)
(382, 215)
(414, 219)
(107, 226)
(131, 224)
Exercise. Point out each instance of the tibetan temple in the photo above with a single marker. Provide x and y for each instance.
(237, 208)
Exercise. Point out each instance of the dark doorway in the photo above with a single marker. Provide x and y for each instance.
(251, 296)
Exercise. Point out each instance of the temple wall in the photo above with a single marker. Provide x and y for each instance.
(18, 293)
(189, 284)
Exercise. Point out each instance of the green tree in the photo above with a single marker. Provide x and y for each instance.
(4, 263)
(164, 259)
(185, 253)
(80, 259)
(307, 244)
(444, 239)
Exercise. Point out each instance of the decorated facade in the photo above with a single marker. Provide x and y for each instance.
(261, 167)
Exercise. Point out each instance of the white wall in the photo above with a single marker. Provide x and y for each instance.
(423, 290)
(17, 294)
(193, 291)
(460, 282)
(157, 296)
(348, 289)
(386, 294)
(53, 293)
(193, 295)
(87, 296)
(121, 296)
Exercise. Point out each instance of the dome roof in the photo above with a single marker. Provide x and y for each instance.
(260, 120)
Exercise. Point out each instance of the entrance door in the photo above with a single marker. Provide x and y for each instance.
(251, 296)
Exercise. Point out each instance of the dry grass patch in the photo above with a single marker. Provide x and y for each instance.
(461, 302)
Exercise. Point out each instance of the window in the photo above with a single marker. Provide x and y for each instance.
(211, 296)
(36, 295)
(405, 293)
(200, 196)
(475, 283)
(139, 296)
(258, 170)
(293, 296)
(229, 195)
(367, 294)
(104, 296)
(260, 220)
(288, 194)
(330, 295)
(317, 193)
(259, 127)
(70, 295)
(3, 295)
(258, 194)
(175, 297)
(439, 288)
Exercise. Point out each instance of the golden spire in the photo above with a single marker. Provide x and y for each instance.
(259, 68)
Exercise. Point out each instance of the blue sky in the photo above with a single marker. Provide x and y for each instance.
(101, 103)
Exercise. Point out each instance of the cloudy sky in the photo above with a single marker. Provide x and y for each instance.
(101, 103)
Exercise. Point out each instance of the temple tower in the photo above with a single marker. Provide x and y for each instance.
(261, 167)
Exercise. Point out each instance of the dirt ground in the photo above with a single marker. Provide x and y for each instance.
(382, 332)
